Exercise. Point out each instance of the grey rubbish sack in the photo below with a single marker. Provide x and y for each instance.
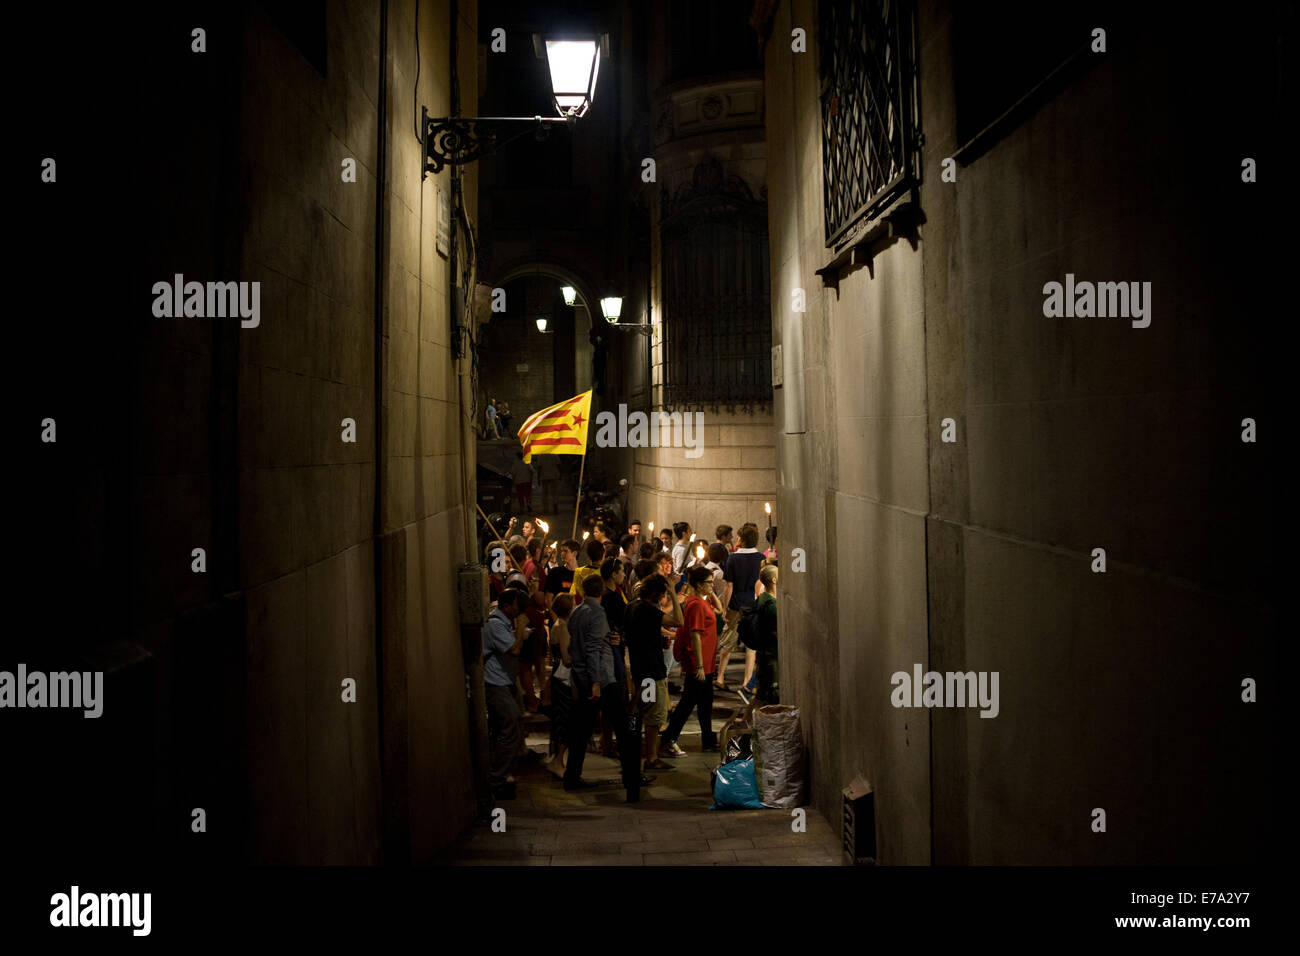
(778, 756)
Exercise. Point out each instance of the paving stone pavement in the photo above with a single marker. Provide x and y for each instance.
(672, 824)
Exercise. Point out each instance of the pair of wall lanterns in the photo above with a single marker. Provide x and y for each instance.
(611, 306)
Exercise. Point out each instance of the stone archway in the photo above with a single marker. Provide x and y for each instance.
(558, 271)
(588, 323)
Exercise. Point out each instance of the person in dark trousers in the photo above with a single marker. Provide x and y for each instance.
(614, 601)
(559, 579)
(503, 635)
(561, 686)
(596, 691)
(643, 633)
(741, 572)
(701, 644)
(765, 626)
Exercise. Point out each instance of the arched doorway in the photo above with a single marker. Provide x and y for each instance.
(550, 276)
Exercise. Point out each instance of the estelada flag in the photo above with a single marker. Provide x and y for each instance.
(558, 430)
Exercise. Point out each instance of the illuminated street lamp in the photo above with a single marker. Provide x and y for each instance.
(455, 140)
(570, 294)
(574, 66)
(541, 323)
(611, 307)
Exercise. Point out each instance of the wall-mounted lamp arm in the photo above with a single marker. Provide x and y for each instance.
(456, 140)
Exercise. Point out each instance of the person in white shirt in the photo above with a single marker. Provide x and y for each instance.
(681, 550)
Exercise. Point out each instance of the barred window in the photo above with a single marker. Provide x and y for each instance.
(869, 111)
(717, 316)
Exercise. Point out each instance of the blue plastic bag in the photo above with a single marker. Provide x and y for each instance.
(735, 788)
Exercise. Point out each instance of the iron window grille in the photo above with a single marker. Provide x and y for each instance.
(717, 325)
(870, 128)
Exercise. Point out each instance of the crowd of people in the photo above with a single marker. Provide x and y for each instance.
(591, 633)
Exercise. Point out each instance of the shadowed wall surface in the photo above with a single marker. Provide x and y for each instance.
(1120, 690)
(225, 687)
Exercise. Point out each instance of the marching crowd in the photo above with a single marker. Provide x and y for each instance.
(591, 632)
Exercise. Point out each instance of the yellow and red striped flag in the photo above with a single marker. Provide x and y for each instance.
(558, 430)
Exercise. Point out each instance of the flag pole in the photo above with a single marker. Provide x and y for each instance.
(577, 501)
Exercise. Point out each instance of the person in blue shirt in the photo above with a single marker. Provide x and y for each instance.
(503, 635)
(597, 690)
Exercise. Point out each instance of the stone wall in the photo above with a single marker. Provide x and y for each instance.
(428, 787)
(726, 484)
(1119, 690)
(225, 687)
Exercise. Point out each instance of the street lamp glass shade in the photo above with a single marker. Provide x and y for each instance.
(541, 323)
(574, 65)
(570, 294)
(612, 307)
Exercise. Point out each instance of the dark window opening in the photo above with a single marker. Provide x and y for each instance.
(1004, 51)
(303, 23)
(710, 36)
(717, 315)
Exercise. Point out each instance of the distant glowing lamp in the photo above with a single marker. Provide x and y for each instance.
(570, 294)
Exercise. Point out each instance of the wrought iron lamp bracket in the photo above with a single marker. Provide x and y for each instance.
(456, 140)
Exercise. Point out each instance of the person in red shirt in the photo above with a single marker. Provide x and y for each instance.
(700, 639)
